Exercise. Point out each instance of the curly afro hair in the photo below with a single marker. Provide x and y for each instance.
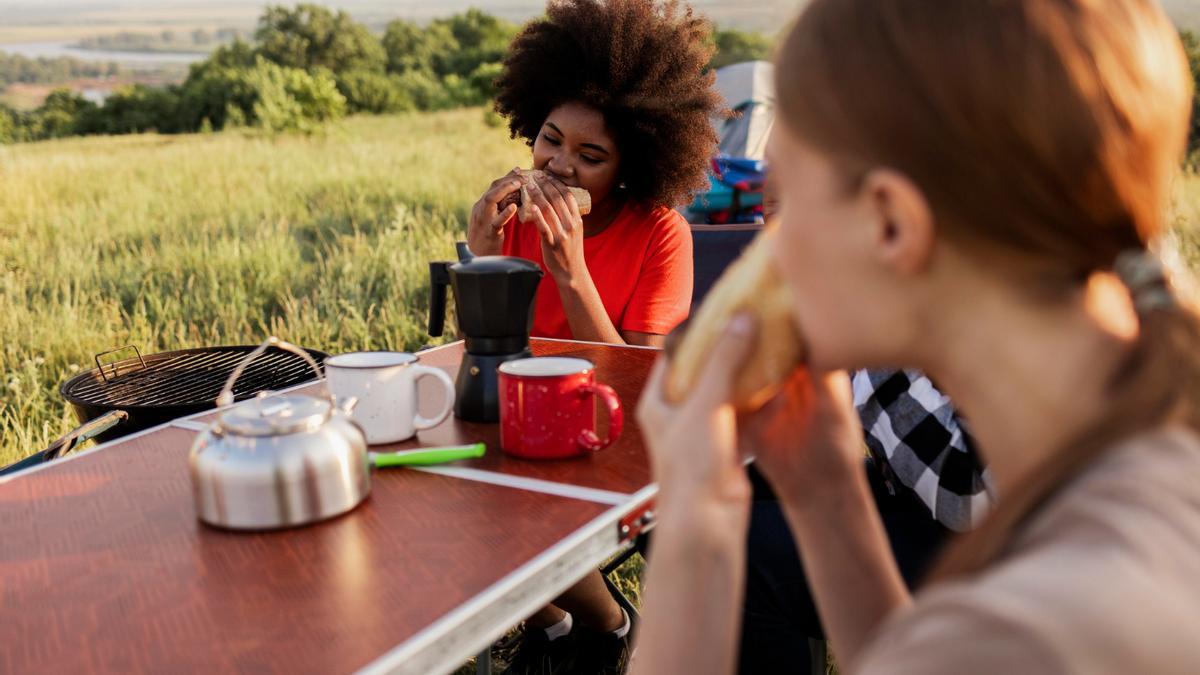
(643, 65)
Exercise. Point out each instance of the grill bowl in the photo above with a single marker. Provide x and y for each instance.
(179, 383)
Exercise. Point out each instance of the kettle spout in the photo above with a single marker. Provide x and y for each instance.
(347, 405)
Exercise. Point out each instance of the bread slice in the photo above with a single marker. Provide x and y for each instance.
(521, 197)
(751, 284)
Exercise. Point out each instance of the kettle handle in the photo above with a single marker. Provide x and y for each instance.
(226, 396)
(439, 280)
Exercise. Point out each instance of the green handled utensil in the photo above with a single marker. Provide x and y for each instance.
(427, 456)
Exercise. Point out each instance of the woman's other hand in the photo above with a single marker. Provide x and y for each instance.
(696, 576)
(807, 439)
(693, 445)
(485, 232)
(556, 215)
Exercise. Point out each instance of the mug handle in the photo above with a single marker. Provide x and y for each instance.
(588, 440)
(419, 373)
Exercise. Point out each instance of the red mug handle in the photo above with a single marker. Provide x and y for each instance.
(588, 440)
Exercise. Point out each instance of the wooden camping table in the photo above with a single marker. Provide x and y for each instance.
(104, 566)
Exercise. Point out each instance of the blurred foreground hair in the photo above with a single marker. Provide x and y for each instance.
(1048, 131)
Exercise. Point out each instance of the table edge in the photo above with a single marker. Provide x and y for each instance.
(518, 482)
(444, 645)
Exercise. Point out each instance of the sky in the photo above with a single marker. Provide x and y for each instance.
(763, 15)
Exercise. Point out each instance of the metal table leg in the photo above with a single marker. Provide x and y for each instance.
(483, 662)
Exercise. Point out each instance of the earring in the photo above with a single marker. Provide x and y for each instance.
(621, 186)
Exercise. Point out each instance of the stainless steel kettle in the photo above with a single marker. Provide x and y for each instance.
(279, 461)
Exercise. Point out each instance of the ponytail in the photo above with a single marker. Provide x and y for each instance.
(1157, 384)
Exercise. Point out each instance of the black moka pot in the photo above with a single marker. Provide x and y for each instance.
(494, 299)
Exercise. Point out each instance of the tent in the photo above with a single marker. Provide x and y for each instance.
(748, 88)
(722, 218)
(735, 192)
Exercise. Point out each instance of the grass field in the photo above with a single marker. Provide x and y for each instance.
(173, 242)
(168, 242)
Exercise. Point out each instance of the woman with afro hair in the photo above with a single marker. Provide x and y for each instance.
(613, 96)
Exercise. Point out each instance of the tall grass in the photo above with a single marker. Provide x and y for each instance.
(1185, 217)
(168, 242)
(184, 241)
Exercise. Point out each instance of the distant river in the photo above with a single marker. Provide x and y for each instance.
(134, 60)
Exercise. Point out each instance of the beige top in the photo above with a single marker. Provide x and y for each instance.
(1105, 579)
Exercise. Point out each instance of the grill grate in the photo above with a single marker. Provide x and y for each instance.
(189, 377)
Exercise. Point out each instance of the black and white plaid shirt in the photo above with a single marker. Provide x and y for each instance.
(920, 444)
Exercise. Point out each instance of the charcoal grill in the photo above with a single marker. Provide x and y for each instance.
(158, 388)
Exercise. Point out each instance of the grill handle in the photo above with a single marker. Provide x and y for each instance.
(100, 366)
(85, 432)
(226, 396)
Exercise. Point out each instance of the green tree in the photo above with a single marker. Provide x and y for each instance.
(8, 124)
(270, 96)
(311, 36)
(1191, 44)
(64, 113)
(451, 62)
(425, 90)
(139, 108)
(373, 92)
(481, 38)
(411, 47)
(483, 81)
(735, 46)
(238, 53)
(289, 99)
(210, 92)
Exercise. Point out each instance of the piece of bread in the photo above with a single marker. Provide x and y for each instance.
(583, 198)
(751, 284)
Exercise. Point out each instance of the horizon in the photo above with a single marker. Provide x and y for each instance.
(101, 16)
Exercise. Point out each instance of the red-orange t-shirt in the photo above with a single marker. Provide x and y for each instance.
(641, 264)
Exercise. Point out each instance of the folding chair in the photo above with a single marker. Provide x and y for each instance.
(714, 247)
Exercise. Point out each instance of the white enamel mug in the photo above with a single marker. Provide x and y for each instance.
(385, 384)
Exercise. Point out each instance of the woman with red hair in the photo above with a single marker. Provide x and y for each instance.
(977, 190)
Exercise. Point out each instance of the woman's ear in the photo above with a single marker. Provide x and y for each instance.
(904, 227)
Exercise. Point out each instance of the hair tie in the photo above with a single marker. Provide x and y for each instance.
(1143, 273)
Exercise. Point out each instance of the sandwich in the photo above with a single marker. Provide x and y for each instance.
(521, 197)
(751, 284)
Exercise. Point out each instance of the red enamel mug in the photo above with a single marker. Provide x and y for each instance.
(548, 408)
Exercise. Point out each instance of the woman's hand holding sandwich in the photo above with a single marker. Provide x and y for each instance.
(485, 232)
(556, 215)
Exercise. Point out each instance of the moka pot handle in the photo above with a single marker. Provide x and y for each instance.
(439, 281)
